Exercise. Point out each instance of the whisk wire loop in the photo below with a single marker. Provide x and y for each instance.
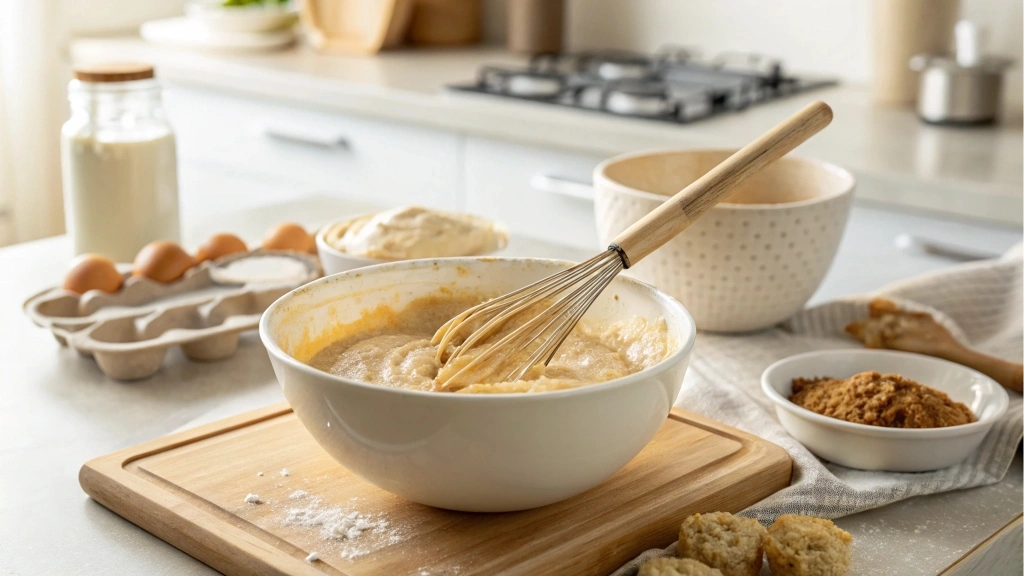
(584, 282)
(580, 300)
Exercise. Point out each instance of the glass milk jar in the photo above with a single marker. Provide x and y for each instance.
(119, 163)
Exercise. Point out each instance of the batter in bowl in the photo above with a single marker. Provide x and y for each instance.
(410, 232)
(397, 352)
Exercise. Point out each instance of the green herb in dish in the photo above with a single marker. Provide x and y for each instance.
(230, 3)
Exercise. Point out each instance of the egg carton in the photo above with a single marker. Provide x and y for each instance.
(129, 332)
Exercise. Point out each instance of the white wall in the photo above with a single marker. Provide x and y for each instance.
(112, 16)
(813, 35)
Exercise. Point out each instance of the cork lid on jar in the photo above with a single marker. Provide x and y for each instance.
(113, 72)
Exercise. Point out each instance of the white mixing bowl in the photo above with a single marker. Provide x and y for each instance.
(751, 261)
(480, 453)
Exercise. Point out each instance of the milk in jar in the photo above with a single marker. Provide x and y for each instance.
(119, 163)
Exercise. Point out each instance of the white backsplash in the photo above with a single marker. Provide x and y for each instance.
(93, 17)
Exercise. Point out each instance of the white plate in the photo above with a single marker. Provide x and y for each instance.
(233, 19)
(187, 32)
(879, 448)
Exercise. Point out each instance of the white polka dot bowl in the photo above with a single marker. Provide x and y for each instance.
(753, 260)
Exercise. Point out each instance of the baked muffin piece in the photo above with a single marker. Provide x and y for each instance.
(889, 326)
(669, 566)
(729, 543)
(806, 546)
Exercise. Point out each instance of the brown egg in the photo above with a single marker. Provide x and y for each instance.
(220, 245)
(93, 272)
(162, 261)
(289, 236)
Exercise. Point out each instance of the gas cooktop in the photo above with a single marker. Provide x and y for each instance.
(672, 85)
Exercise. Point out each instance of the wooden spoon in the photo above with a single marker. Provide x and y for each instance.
(891, 328)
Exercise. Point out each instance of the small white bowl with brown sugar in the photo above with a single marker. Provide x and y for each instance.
(865, 408)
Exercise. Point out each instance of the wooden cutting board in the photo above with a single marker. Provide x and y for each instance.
(190, 488)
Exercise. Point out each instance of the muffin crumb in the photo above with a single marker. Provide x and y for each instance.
(888, 400)
(806, 546)
(732, 544)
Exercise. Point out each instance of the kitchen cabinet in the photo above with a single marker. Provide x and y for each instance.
(540, 192)
(239, 153)
(243, 152)
(240, 140)
(869, 258)
(206, 188)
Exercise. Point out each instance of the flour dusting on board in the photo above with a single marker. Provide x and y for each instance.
(333, 522)
(350, 532)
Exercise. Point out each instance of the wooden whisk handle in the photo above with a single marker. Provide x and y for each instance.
(1008, 374)
(678, 212)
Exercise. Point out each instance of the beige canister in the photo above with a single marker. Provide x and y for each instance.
(535, 26)
(753, 260)
(902, 29)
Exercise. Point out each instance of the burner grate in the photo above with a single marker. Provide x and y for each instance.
(673, 85)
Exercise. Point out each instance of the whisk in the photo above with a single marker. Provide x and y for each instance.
(564, 297)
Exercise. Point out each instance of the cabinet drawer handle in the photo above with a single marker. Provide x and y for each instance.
(562, 186)
(916, 244)
(298, 137)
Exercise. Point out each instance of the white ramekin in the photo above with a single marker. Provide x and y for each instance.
(875, 447)
(334, 260)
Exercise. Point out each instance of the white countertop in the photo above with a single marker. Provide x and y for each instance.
(974, 172)
(58, 411)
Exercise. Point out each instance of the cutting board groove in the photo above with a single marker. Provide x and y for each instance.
(189, 490)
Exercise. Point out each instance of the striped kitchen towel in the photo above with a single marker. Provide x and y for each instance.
(981, 304)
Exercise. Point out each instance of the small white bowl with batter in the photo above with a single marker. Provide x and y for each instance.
(473, 452)
(406, 233)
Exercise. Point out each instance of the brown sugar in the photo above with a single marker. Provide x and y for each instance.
(875, 399)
